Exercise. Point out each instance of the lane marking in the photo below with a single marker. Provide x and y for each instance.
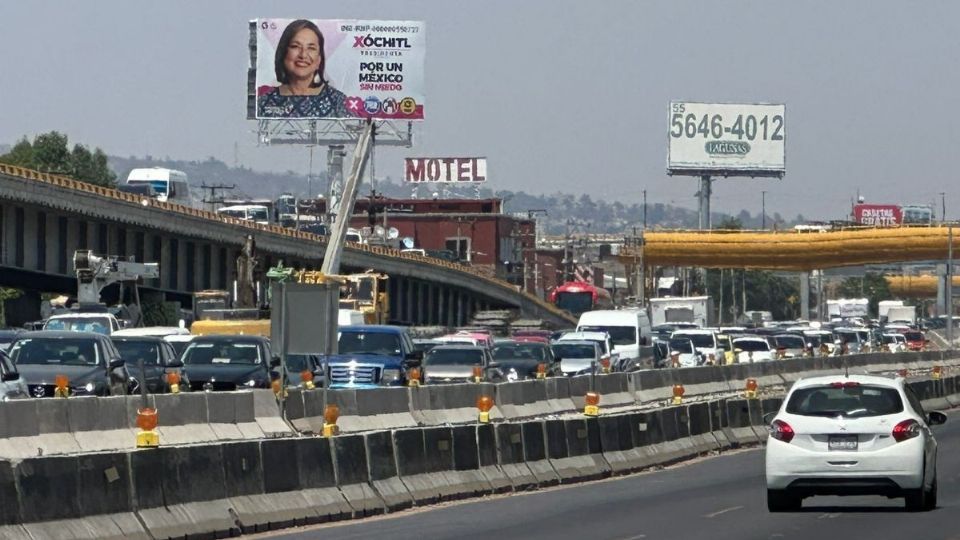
(724, 511)
(637, 537)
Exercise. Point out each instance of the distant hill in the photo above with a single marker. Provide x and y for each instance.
(584, 213)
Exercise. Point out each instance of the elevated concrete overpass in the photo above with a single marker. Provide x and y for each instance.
(44, 218)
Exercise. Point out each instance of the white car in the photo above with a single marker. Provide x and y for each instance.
(752, 349)
(852, 435)
(705, 341)
(602, 339)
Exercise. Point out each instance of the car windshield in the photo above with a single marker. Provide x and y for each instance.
(681, 345)
(133, 351)
(751, 345)
(845, 399)
(228, 352)
(619, 335)
(790, 342)
(573, 351)
(701, 340)
(100, 325)
(70, 352)
(913, 336)
(575, 302)
(847, 336)
(259, 214)
(369, 343)
(453, 357)
(520, 351)
(297, 363)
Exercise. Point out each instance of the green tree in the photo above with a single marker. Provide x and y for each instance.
(872, 286)
(49, 152)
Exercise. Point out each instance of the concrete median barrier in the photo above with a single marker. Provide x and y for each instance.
(535, 453)
(488, 455)
(370, 409)
(509, 444)
(384, 478)
(740, 429)
(353, 477)
(318, 480)
(438, 451)
(442, 404)
(466, 461)
(558, 395)
(412, 466)
(522, 399)
(588, 465)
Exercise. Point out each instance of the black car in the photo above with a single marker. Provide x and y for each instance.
(90, 362)
(298, 363)
(158, 356)
(519, 359)
(228, 362)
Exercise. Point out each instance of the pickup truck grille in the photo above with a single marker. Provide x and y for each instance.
(357, 374)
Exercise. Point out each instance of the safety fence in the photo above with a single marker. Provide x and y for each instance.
(250, 486)
(115, 195)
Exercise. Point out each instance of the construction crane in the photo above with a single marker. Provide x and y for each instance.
(95, 273)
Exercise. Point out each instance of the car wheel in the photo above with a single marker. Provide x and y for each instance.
(931, 498)
(915, 500)
(780, 500)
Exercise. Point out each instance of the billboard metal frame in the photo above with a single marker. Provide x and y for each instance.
(330, 132)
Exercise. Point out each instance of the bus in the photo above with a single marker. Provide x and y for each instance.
(168, 185)
(578, 297)
(257, 213)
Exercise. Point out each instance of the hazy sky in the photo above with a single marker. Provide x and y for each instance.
(559, 95)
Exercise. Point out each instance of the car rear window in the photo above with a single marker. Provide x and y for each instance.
(845, 399)
(913, 336)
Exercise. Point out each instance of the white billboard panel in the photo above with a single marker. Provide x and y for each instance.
(445, 169)
(726, 139)
(316, 68)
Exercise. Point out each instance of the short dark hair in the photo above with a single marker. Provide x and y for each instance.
(288, 33)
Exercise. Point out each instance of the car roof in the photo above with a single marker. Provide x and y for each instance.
(693, 332)
(60, 334)
(750, 338)
(578, 342)
(458, 347)
(158, 331)
(220, 338)
(145, 339)
(81, 315)
(374, 328)
(876, 380)
(584, 336)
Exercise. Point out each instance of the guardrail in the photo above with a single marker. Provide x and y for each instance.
(251, 486)
(129, 198)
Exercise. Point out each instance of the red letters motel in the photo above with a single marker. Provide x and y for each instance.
(451, 169)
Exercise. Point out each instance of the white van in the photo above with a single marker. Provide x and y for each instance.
(169, 185)
(629, 329)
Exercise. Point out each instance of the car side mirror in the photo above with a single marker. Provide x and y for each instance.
(11, 376)
(275, 362)
(176, 363)
(936, 418)
(493, 365)
(118, 363)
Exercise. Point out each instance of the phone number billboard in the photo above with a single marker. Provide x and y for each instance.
(318, 68)
(726, 139)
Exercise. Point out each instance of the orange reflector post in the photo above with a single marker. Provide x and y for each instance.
(477, 373)
(605, 364)
(678, 392)
(937, 372)
(750, 389)
(173, 381)
(484, 404)
(413, 377)
(306, 378)
(62, 386)
(147, 437)
(276, 386)
(330, 416)
(541, 371)
(591, 404)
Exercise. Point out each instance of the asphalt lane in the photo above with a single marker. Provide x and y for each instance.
(714, 498)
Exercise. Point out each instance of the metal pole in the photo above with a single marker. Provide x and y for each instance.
(331, 257)
(763, 210)
(943, 207)
(644, 209)
(948, 297)
(284, 347)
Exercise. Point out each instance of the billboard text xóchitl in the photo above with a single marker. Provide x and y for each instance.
(313, 68)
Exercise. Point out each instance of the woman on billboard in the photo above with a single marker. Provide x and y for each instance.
(304, 92)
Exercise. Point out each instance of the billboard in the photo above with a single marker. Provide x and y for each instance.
(877, 215)
(315, 68)
(446, 169)
(726, 139)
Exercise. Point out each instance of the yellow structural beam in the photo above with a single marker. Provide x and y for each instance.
(790, 250)
(923, 286)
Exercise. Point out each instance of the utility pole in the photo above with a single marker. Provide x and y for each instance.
(949, 288)
(213, 200)
(763, 210)
(644, 211)
(943, 207)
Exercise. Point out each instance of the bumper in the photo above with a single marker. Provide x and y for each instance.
(880, 472)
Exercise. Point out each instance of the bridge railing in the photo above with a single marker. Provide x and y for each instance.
(117, 195)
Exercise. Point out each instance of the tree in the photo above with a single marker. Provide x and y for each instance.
(49, 153)
(872, 286)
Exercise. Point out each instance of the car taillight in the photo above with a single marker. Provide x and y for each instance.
(781, 431)
(907, 429)
(848, 384)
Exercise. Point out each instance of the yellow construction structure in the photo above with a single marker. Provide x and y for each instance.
(790, 250)
(922, 286)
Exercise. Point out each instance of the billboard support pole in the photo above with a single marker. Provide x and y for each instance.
(948, 297)
(338, 234)
(704, 199)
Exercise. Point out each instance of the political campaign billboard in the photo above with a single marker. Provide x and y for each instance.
(338, 69)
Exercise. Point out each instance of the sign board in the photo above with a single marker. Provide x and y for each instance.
(877, 215)
(447, 169)
(315, 68)
(310, 318)
(726, 139)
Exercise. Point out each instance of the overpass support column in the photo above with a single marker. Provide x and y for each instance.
(452, 307)
(442, 306)
(408, 300)
(423, 317)
(461, 314)
(805, 295)
(431, 304)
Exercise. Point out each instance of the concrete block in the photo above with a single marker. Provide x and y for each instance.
(49, 488)
(209, 518)
(107, 527)
(243, 468)
(268, 415)
(363, 500)
(19, 418)
(104, 441)
(104, 480)
(383, 471)
(330, 504)
(14, 532)
(257, 513)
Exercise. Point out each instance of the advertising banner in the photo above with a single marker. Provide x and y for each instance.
(447, 169)
(878, 215)
(313, 68)
(726, 139)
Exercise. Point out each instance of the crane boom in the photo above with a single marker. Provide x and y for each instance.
(94, 273)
